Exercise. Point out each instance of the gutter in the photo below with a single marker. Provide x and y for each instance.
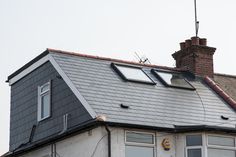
(54, 138)
(94, 123)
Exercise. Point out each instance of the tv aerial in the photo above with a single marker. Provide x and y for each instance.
(142, 59)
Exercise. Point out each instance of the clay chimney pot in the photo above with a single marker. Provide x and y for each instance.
(195, 40)
(203, 42)
(182, 45)
(187, 43)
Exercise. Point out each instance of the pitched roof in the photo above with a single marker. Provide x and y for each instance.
(227, 83)
(102, 91)
(153, 105)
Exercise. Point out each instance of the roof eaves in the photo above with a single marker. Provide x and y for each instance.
(94, 123)
(55, 138)
(196, 128)
(220, 92)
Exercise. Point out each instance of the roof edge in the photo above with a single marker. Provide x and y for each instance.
(46, 52)
(225, 75)
(94, 123)
(112, 59)
(220, 92)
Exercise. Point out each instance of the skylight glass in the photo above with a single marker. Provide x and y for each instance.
(131, 73)
(173, 79)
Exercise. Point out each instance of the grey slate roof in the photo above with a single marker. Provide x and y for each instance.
(151, 105)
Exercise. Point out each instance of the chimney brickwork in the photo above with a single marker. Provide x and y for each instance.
(194, 55)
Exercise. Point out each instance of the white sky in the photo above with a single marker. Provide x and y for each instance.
(112, 28)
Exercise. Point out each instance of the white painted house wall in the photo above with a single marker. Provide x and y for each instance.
(93, 143)
(84, 145)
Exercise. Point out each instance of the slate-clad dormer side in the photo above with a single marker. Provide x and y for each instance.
(24, 99)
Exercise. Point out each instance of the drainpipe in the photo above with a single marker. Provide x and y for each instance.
(109, 140)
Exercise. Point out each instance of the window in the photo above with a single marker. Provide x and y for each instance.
(131, 73)
(194, 145)
(139, 144)
(221, 141)
(221, 146)
(172, 79)
(44, 101)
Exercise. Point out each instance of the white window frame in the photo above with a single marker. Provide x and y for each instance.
(218, 146)
(195, 147)
(153, 145)
(40, 95)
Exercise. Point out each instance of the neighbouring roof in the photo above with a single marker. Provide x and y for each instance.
(103, 90)
(227, 83)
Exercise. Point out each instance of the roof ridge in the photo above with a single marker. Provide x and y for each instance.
(112, 59)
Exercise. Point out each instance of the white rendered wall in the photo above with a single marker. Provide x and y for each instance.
(81, 145)
(43, 152)
(160, 151)
(93, 143)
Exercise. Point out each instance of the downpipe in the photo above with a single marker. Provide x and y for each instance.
(108, 140)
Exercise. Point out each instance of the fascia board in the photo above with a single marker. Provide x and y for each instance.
(28, 70)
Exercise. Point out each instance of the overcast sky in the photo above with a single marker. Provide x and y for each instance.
(111, 28)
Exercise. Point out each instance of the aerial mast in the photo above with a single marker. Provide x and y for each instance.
(196, 21)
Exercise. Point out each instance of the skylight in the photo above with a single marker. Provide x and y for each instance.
(131, 73)
(173, 79)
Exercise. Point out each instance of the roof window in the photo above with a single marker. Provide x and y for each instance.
(132, 73)
(172, 79)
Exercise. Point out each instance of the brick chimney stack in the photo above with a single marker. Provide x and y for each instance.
(194, 55)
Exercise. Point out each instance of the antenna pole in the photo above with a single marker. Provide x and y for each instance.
(196, 21)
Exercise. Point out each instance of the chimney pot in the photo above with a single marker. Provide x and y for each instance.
(203, 42)
(195, 40)
(182, 45)
(187, 43)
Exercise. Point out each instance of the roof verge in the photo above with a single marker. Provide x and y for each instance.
(220, 92)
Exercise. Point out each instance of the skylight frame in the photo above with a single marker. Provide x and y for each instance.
(115, 67)
(155, 73)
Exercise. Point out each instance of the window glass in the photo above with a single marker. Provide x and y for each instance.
(45, 106)
(45, 88)
(174, 79)
(194, 140)
(194, 152)
(221, 141)
(139, 137)
(133, 73)
(139, 151)
(220, 153)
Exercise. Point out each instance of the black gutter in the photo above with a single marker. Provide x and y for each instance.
(55, 138)
(135, 126)
(93, 124)
(177, 128)
(108, 140)
(182, 129)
